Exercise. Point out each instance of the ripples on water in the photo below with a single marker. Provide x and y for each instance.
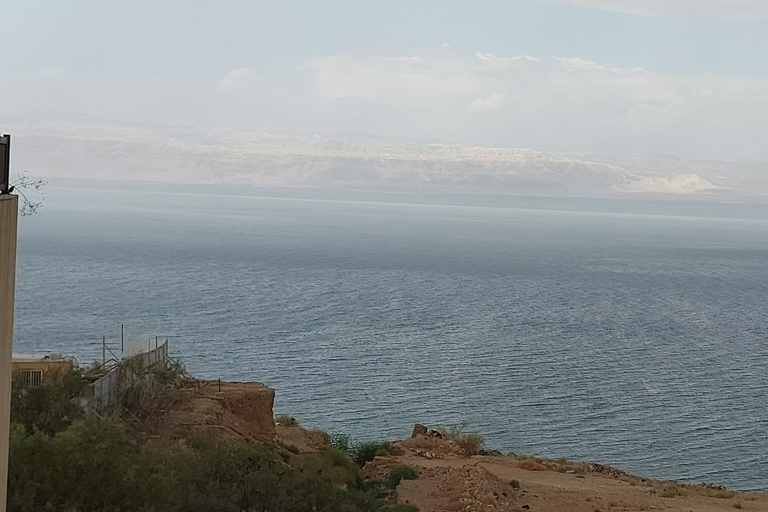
(634, 340)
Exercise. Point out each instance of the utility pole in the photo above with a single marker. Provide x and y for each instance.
(9, 211)
(103, 350)
(122, 339)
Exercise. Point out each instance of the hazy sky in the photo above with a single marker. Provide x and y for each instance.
(687, 77)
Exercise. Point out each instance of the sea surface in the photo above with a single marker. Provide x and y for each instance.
(631, 333)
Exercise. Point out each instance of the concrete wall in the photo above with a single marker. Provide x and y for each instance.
(49, 367)
(9, 211)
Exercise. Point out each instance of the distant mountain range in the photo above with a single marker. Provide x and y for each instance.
(64, 145)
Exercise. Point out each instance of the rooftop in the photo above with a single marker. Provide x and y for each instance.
(33, 358)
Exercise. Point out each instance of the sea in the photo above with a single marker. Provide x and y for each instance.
(631, 332)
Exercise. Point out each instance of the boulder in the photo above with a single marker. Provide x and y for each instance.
(419, 430)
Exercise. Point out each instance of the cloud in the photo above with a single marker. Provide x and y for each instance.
(738, 10)
(246, 82)
(560, 104)
(556, 103)
(415, 81)
(495, 100)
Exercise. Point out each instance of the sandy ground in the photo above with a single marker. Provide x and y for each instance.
(451, 482)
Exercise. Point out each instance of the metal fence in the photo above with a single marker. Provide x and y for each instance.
(104, 391)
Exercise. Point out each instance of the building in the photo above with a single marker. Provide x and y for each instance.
(35, 369)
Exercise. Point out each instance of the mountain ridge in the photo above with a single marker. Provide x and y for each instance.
(75, 146)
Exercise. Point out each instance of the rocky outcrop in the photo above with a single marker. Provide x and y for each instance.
(230, 410)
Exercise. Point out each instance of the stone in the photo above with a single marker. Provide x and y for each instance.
(419, 430)
(435, 433)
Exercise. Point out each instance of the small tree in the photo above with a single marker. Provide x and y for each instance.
(25, 183)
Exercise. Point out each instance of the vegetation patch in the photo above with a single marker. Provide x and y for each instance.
(471, 443)
(359, 452)
(61, 460)
(671, 490)
(399, 473)
(49, 407)
(92, 465)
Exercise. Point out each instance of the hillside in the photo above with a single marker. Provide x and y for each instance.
(450, 477)
(58, 145)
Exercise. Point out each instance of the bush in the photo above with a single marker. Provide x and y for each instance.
(338, 441)
(360, 453)
(61, 461)
(89, 466)
(398, 473)
(49, 407)
(92, 466)
(333, 465)
(365, 452)
(470, 442)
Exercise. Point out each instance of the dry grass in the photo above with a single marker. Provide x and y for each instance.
(720, 493)
(471, 443)
(671, 490)
(286, 421)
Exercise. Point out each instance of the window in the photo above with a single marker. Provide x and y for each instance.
(31, 378)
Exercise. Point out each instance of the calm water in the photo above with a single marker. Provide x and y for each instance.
(626, 338)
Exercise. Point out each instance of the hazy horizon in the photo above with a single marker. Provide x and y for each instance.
(687, 78)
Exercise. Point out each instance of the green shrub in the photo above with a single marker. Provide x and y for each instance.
(93, 466)
(338, 441)
(171, 374)
(333, 465)
(49, 407)
(398, 473)
(365, 452)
